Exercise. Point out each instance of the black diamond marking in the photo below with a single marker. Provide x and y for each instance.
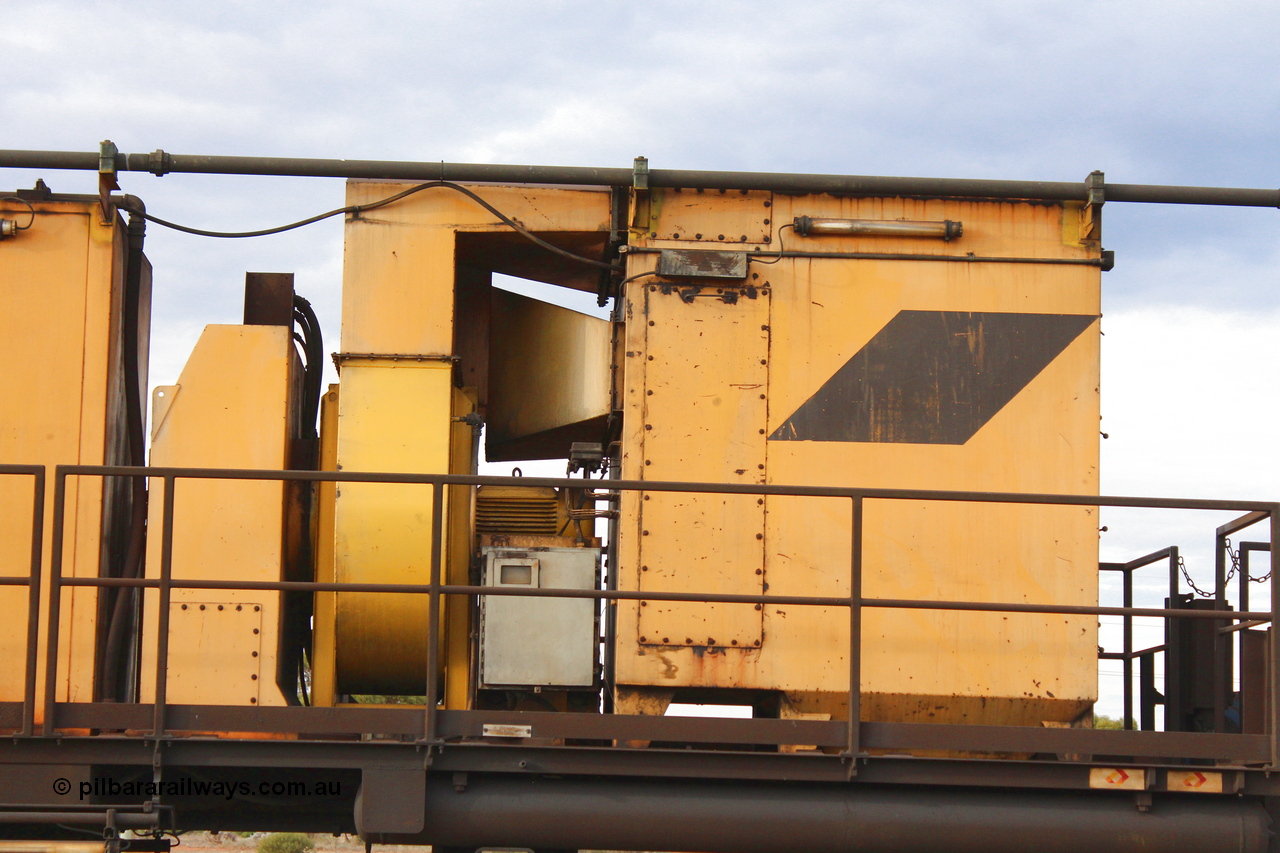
(932, 377)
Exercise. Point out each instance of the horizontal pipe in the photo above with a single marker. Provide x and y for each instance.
(626, 814)
(123, 820)
(161, 162)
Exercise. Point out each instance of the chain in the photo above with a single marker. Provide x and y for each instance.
(1182, 565)
(1235, 560)
(1231, 573)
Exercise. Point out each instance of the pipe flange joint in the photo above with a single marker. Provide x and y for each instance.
(159, 163)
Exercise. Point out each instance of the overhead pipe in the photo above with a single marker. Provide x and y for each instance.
(162, 162)
(628, 814)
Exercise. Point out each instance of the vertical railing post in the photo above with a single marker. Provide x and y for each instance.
(33, 605)
(162, 628)
(1172, 656)
(1273, 730)
(1127, 580)
(1244, 577)
(55, 600)
(855, 637)
(1221, 645)
(433, 612)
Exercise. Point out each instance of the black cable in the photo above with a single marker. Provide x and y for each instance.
(313, 349)
(756, 258)
(357, 209)
(632, 278)
(30, 207)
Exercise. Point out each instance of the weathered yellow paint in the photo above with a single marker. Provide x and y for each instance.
(323, 691)
(917, 665)
(705, 412)
(397, 293)
(710, 217)
(457, 608)
(549, 368)
(230, 409)
(392, 416)
(394, 413)
(62, 296)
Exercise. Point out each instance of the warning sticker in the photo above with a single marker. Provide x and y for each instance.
(1118, 778)
(1194, 781)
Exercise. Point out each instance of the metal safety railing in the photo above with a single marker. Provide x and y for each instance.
(32, 581)
(857, 734)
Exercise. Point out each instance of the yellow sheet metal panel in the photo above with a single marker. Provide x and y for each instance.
(323, 691)
(456, 646)
(62, 293)
(718, 216)
(230, 409)
(549, 368)
(913, 374)
(399, 260)
(393, 416)
(705, 413)
(398, 300)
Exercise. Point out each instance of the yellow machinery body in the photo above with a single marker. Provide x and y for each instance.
(877, 366)
(230, 409)
(425, 342)
(62, 291)
(973, 363)
(832, 454)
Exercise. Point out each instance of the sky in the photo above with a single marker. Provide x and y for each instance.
(1149, 92)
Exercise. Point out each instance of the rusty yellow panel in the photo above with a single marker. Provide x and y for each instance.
(392, 416)
(992, 229)
(705, 414)
(928, 375)
(322, 655)
(396, 404)
(399, 260)
(62, 295)
(548, 370)
(230, 409)
(219, 657)
(714, 216)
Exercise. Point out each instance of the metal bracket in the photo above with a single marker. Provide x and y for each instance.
(110, 834)
(1091, 215)
(391, 800)
(640, 174)
(107, 182)
(157, 776)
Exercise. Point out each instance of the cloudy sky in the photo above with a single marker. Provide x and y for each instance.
(1149, 92)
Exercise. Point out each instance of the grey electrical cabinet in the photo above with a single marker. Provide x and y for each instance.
(539, 642)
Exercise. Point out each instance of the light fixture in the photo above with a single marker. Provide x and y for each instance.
(812, 226)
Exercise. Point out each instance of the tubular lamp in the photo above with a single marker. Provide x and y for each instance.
(811, 226)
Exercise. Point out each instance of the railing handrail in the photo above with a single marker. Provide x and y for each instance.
(165, 583)
(673, 486)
